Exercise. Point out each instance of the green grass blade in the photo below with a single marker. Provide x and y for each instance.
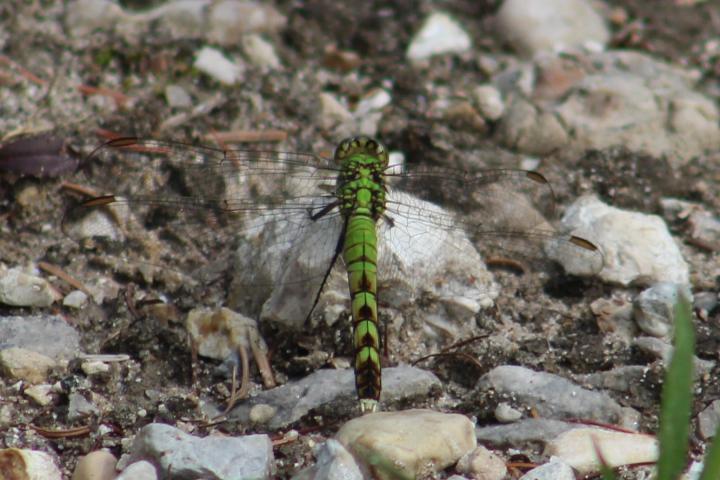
(607, 473)
(711, 467)
(676, 402)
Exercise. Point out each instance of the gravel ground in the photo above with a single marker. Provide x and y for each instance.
(82, 77)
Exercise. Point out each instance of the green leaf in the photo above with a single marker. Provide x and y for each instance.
(676, 402)
(711, 469)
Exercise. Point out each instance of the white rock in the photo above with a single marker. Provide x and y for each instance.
(417, 259)
(553, 470)
(439, 34)
(531, 26)
(260, 52)
(578, 448)
(142, 470)
(482, 464)
(333, 462)
(489, 101)
(22, 290)
(29, 464)
(409, 443)
(213, 63)
(637, 247)
(97, 465)
(75, 299)
(21, 364)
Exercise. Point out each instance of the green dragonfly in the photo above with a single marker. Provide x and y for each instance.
(343, 205)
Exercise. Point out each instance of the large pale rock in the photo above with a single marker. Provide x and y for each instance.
(23, 464)
(578, 448)
(408, 444)
(637, 247)
(532, 26)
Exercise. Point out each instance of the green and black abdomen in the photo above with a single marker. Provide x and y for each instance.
(362, 192)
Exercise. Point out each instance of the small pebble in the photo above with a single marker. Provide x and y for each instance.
(177, 97)
(262, 413)
(489, 101)
(439, 34)
(260, 52)
(94, 367)
(213, 63)
(75, 299)
(505, 413)
(40, 394)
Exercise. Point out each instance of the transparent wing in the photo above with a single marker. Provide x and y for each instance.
(505, 212)
(166, 196)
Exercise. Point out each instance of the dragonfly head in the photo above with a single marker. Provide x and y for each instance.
(361, 145)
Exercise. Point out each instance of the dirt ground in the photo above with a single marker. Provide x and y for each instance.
(131, 322)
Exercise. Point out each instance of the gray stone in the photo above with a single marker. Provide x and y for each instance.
(80, 407)
(663, 351)
(333, 390)
(526, 431)
(654, 308)
(47, 334)
(177, 97)
(190, 457)
(551, 25)
(709, 420)
(550, 395)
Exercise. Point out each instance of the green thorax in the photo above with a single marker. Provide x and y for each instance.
(361, 183)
